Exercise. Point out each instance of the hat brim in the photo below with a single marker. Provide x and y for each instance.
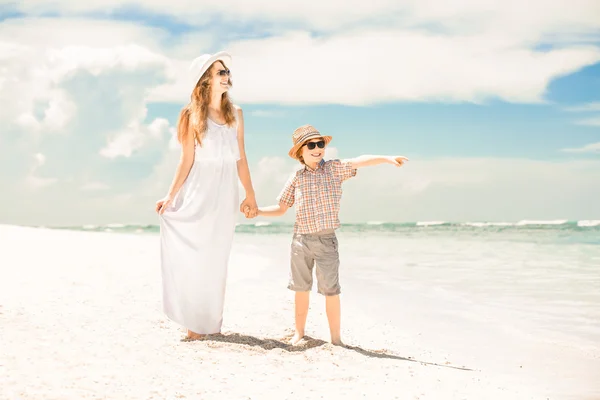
(294, 149)
(196, 70)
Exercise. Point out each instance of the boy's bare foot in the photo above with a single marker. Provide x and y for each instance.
(296, 338)
(338, 342)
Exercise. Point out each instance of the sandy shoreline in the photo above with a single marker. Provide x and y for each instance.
(80, 317)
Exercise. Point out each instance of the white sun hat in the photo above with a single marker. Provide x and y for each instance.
(200, 64)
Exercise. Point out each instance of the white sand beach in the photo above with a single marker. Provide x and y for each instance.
(80, 318)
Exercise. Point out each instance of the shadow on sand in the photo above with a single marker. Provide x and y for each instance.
(308, 343)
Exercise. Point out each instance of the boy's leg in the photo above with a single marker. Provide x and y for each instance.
(302, 262)
(302, 301)
(332, 306)
(328, 263)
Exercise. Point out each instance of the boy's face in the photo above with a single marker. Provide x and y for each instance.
(313, 150)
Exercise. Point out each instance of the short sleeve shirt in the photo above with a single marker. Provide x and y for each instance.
(317, 195)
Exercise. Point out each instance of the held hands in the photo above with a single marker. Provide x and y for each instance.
(249, 207)
(248, 214)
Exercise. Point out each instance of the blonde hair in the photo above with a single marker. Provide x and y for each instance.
(194, 115)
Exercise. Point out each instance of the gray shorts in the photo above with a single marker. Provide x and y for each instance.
(320, 249)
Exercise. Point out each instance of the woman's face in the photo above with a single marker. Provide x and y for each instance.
(220, 77)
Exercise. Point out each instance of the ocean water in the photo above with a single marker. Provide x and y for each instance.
(528, 290)
(584, 231)
(543, 271)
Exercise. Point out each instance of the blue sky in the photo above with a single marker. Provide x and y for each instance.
(507, 112)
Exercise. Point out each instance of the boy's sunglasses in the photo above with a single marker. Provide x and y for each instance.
(312, 145)
(223, 72)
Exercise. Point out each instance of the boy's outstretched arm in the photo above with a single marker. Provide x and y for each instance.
(369, 160)
(273, 211)
(285, 199)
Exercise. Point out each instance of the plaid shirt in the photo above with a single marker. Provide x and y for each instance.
(317, 195)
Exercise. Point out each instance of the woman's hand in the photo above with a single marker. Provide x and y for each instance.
(249, 207)
(162, 205)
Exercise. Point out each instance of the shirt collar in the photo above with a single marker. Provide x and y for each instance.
(319, 166)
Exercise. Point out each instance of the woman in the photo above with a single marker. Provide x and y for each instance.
(198, 215)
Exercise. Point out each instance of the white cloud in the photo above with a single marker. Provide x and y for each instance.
(331, 153)
(57, 113)
(68, 91)
(32, 180)
(374, 66)
(95, 186)
(594, 121)
(36, 182)
(511, 16)
(270, 173)
(35, 65)
(135, 136)
(424, 50)
(40, 55)
(594, 106)
(468, 54)
(51, 33)
(40, 159)
(582, 108)
(27, 121)
(589, 148)
(267, 114)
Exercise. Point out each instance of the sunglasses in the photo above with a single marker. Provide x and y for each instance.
(312, 145)
(223, 72)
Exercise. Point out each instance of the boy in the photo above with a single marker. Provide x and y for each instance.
(316, 190)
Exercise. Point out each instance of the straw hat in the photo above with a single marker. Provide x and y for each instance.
(303, 134)
(200, 64)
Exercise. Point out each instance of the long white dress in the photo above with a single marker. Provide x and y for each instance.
(196, 233)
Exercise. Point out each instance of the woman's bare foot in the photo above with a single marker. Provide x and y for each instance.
(296, 338)
(193, 336)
